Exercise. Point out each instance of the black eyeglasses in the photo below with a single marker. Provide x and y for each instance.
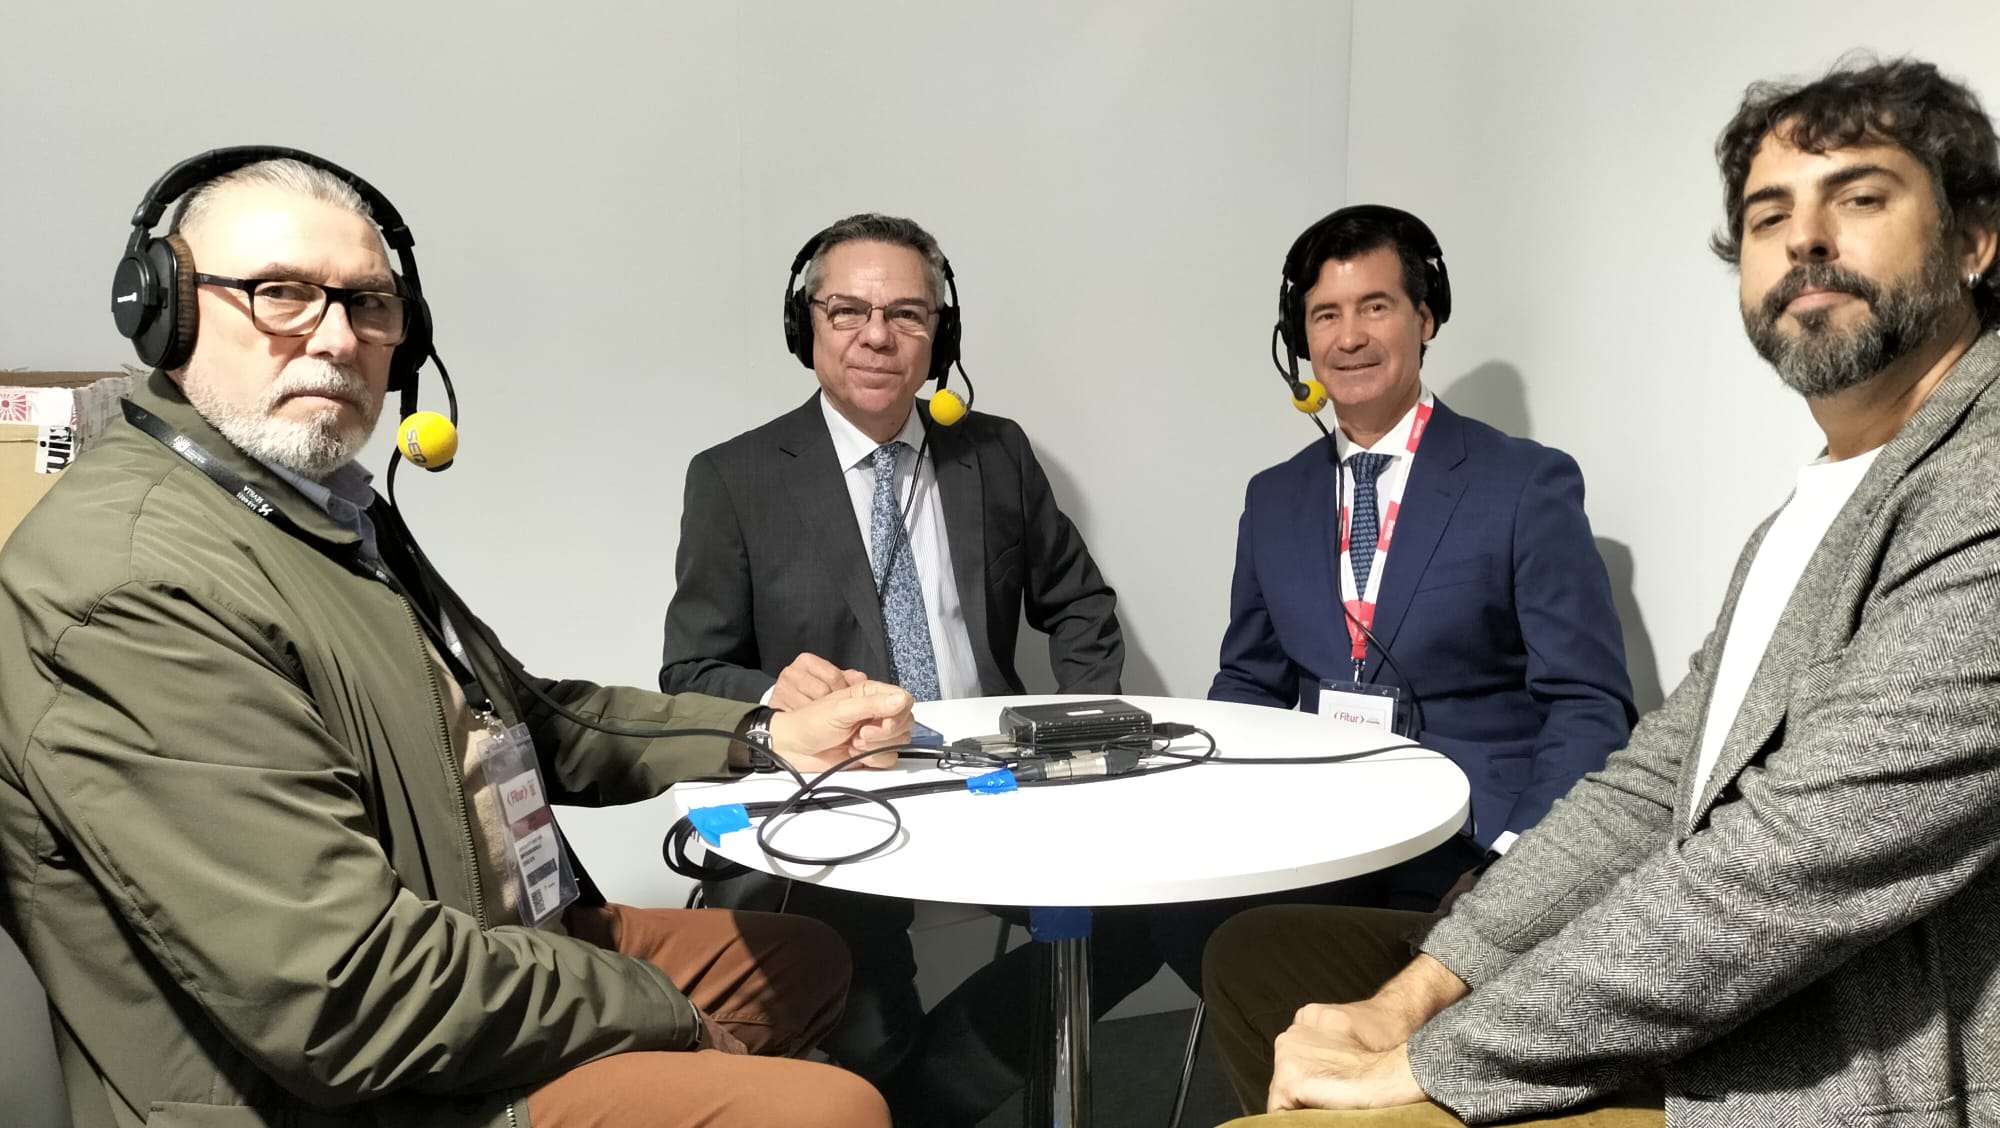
(912, 319)
(287, 308)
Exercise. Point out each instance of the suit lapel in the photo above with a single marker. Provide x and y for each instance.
(961, 492)
(818, 491)
(1429, 499)
(1318, 558)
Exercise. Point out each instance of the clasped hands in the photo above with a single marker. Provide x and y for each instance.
(827, 715)
(1343, 1056)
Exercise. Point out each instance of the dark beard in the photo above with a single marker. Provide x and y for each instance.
(1821, 360)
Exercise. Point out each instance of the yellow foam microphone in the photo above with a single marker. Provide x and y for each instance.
(1308, 396)
(946, 408)
(427, 439)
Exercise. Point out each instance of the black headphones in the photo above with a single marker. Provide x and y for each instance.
(1309, 250)
(152, 293)
(799, 325)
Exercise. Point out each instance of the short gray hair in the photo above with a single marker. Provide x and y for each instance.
(869, 227)
(291, 175)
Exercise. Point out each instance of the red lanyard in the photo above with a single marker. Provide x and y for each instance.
(1360, 617)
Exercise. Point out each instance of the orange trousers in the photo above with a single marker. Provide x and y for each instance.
(775, 982)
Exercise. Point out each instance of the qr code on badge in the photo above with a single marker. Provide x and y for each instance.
(536, 902)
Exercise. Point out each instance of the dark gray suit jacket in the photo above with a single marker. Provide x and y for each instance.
(1815, 937)
(772, 564)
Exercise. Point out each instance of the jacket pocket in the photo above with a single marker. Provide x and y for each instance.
(1476, 570)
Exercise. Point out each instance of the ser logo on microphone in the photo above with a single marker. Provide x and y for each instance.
(427, 439)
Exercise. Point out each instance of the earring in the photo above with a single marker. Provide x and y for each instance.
(1972, 281)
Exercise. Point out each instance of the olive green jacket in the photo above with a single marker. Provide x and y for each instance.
(234, 840)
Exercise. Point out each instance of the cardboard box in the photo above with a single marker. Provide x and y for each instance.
(46, 420)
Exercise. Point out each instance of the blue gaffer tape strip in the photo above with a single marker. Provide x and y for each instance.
(1049, 925)
(992, 783)
(714, 822)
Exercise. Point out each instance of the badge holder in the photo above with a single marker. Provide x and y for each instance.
(1361, 705)
(544, 883)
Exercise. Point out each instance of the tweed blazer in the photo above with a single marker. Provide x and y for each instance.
(1814, 936)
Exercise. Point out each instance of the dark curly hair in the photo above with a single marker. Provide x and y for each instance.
(1862, 100)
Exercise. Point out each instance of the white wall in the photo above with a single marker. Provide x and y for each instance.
(1563, 152)
(606, 200)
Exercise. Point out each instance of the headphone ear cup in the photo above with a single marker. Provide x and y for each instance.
(166, 339)
(1438, 284)
(799, 326)
(416, 347)
(1290, 331)
(944, 348)
(135, 300)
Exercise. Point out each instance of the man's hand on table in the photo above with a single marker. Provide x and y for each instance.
(809, 678)
(842, 724)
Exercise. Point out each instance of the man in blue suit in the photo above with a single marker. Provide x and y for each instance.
(1417, 566)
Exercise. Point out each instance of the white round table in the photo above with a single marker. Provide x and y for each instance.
(1198, 833)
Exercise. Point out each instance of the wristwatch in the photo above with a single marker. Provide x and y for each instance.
(757, 731)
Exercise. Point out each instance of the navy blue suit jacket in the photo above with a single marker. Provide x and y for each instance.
(1495, 603)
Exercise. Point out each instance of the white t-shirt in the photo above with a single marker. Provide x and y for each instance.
(1823, 490)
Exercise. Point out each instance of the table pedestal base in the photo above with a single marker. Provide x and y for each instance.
(1059, 1086)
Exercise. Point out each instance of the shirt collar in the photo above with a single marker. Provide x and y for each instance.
(1397, 442)
(852, 447)
(344, 496)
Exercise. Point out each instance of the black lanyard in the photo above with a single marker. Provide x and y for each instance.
(441, 633)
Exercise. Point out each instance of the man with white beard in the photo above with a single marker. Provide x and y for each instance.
(274, 803)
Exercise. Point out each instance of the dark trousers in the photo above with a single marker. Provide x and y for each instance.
(1180, 932)
(1264, 965)
(955, 1065)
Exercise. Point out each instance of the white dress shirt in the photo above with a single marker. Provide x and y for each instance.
(1389, 487)
(957, 670)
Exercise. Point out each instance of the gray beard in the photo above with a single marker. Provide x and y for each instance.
(1821, 361)
(312, 449)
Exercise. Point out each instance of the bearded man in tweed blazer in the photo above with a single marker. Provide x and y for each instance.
(1778, 903)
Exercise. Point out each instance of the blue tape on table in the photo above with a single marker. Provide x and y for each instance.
(1049, 925)
(714, 822)
(992, 783)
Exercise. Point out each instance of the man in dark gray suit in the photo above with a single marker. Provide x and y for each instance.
(1778, 902)
(871, 534)
(776, 585)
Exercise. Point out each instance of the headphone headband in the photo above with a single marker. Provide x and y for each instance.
(197, 170)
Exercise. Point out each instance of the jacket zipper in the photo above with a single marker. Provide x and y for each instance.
(451, 765)
(457, 777)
